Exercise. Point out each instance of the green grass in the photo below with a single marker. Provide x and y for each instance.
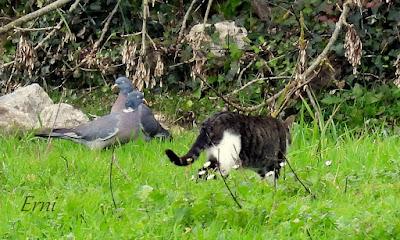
(160, 201)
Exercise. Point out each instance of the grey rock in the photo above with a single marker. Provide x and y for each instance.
(67, 116)
(225, 29)
(31, 107)
(12, 119)
(31, 99)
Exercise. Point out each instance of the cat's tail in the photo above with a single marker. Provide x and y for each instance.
(180, 161)
(193, 153)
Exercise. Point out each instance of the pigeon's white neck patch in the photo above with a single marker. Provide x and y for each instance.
(128, 110)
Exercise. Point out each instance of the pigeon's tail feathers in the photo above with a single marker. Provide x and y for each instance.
(164, 134)
(58, 133)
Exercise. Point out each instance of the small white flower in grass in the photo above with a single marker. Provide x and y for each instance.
(296, 220)
(145, 191)
(207, 164)
(202, 172)
(282, 164)
(236, 166)
(328, 163)
(70, 236)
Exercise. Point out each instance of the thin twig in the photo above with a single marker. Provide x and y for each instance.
(19, 29)
(48, 36)
(293, 86)
(297, 177)
(110, 179)
(106, 26)
(152, 42)
(144, 28)
(254, 81)
(332, 40)
(74, 5)
(198, 7)
(30, 16)
(206, 14)
(244, 69)
(54, 123)
(122, 170)
(229, 189)
(236, 106)
(308, 233)
(183, 27)
(7, 64)
(193, 59)
(131, 34)
(66, 162)
(223, 178)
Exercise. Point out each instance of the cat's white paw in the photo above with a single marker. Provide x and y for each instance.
(207, 164)
(211, 176)
(270, 177)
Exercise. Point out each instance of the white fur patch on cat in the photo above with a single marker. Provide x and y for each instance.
(270, 177)
(226, 151)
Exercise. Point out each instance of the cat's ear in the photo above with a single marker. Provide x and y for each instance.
(289, 121)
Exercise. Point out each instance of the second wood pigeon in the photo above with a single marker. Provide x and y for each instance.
(107, 130)
(150, 126)
(125, 86)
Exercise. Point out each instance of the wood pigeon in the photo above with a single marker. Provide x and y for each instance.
(125, 86)
(107, 130)
(149, 125)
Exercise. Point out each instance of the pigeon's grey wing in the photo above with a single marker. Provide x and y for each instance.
(150, 126)
(101, 128)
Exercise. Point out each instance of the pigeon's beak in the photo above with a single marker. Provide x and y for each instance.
(115, 88)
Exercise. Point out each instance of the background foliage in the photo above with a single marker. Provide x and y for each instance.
(272, 50)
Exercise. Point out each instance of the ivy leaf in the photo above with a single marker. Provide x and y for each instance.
(329, 100)
(357, 90)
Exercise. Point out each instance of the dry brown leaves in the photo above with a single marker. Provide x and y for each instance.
(357, 3)
(353, 47)
(128, 56)
(397, 66)
(25, 56)
(142, 69)
(159, 69)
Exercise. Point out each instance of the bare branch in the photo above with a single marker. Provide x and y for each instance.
(106, 26)
(144, 27)
(206, 14)
(49, 35)
(293, 86)
(30, 16)
(332, 40)
(185, 20)
(74, 6)
(110, 177)
(18, 29)
(254, 81)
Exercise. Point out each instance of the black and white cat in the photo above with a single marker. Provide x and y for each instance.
(233, 140)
